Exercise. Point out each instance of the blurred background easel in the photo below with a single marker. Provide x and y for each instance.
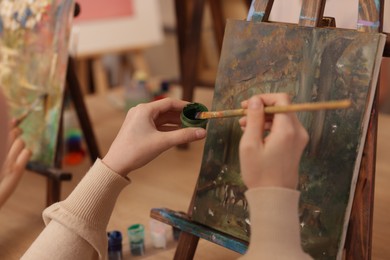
(55, 175)
(189, 18)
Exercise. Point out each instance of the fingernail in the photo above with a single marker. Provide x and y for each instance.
(254, 103)
(200, 133)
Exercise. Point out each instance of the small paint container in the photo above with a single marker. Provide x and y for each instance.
(114, 245)
(187, 116)
(158, 234)
(136, 234)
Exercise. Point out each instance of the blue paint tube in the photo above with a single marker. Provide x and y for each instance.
(114, 245)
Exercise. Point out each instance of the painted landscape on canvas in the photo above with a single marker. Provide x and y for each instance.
(33, 61)
(311, 64)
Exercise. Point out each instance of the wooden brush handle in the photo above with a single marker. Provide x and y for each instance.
(308, 106)
(279, 109)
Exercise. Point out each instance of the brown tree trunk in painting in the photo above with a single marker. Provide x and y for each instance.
(310, 58)
(311, 13)
(328, 71)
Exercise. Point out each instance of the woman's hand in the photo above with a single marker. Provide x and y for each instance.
(14, 165)
(271, 160)
(148, 130)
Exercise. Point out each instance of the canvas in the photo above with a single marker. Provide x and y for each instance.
(33, 62)
(311, 64)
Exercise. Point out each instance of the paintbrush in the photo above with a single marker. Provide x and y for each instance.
(278, 109)
(28, 111)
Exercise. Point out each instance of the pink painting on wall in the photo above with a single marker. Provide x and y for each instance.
(104, 9)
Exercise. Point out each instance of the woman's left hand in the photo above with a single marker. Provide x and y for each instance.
(148, 130)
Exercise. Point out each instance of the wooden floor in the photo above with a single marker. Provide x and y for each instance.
(166, 182)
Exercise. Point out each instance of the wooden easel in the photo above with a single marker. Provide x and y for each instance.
(189, 17)
(359, 235)
(55, 175)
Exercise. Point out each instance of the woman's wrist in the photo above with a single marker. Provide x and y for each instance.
(112, 165)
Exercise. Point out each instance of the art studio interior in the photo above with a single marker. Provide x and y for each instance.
(71, 70)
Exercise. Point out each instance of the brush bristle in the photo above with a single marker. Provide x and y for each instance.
(198, 115)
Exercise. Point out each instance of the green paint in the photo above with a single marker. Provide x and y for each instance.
(188, 115)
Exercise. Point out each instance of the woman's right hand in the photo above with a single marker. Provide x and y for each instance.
(271, 160)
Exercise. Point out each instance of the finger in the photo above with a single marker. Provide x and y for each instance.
(11, 180)
(13, 134)
(184, 135)
(255, 121)
(272, 99)
(166, 104)
(21, 161)
(168, 128)
(280, 120)
(242, 121)
(170, 117)
(268, 120)
(267, 127)
(15, 150)
(244, 104)
(13, 123)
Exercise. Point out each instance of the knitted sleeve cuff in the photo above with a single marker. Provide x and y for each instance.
(88, 208)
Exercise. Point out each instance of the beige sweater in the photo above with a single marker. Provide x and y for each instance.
(76, 227)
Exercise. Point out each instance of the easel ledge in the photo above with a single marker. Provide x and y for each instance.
(182, 221)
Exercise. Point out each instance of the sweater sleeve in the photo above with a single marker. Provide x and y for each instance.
(275, 232)
(81, 219)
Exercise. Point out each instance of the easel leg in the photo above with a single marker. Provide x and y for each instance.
(53, 191)
(53, 186)
(218, 21)
(81, 66)
(189, 16)
(81, 110)
(99, 76)
(186, 247)
(189, 43)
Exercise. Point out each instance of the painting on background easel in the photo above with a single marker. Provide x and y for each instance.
(311, 64)
(33, 57)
